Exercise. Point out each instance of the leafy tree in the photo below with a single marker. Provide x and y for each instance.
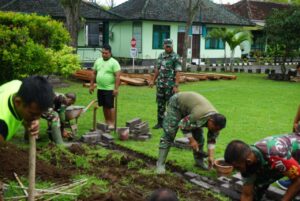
(233, 37)
(31, 44)
(282, 30)
(219, 33)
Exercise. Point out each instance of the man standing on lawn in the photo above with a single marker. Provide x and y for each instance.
(265, 162)
(190, 112)
(166, 73)
(107, 72)
(22, 103)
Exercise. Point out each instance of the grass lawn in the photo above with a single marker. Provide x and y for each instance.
(254, 106)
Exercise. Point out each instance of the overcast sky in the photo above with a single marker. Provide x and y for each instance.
(216, 1)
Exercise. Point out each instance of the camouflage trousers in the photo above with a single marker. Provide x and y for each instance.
(163, 96)
(170, 126)
(55, 120)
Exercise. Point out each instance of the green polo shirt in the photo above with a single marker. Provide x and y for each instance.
(9, 119)
(106, 73)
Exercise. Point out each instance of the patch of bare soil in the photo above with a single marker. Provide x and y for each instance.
(14, 159)
(128, 184)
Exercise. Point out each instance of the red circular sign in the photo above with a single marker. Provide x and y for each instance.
(133, 42)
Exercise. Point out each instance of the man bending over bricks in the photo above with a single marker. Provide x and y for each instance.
(190, 112)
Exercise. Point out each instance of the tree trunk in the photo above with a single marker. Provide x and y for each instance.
(224, 52)
(231, 59)
(191, 13)
(71, 9)
(185, 47)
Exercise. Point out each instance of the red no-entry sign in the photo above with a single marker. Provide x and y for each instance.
(133, 42)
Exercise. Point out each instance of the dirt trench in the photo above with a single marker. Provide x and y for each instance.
(128, 177)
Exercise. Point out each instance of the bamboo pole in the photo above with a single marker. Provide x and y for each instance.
(32, 158)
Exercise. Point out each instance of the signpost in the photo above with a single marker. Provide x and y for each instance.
(133, 51)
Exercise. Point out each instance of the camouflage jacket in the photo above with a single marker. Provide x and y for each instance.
(278, 156)
(167, 66)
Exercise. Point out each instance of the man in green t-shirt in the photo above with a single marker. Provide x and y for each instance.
(23, 103)
(190, 112)
(107, 72)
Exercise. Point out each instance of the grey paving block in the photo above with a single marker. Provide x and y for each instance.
(238, 186)
(107, 137)
(237, 177)
(222, 180)
(131, 123)
(190, 175)
(275, 193)
(91, 138)
(201, 183)
(102, 126)
(227, 190)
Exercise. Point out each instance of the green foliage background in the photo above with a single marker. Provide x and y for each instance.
(32, 44)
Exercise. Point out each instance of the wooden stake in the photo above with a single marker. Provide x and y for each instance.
(32, 158)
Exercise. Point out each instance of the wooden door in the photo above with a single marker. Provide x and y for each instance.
(196, 46)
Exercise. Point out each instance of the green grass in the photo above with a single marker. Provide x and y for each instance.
(254, 106)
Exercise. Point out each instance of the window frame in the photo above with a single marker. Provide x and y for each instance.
(160, 30)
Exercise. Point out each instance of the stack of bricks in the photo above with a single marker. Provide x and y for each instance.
(138, 129)
(100, 136)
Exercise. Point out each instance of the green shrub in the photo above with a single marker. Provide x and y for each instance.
(31, 44)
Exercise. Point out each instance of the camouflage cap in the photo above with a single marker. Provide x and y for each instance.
(168, 42)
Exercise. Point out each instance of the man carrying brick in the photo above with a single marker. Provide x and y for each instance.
(190, 112)
(265, 162)
(167, 79)
(107, 73)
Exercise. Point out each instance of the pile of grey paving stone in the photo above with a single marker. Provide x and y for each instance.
(100, 136)
(138, 129)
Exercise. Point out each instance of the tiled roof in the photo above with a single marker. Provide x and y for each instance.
(53, 8)
(255, 10)
(175, 11)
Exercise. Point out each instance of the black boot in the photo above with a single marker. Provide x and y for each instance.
(199, 159)
(157, 126)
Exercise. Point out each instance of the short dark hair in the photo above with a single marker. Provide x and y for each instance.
(219, 120)
(36, 89)
(71, 95)
(163, 195)
(107, 47)
(236, 151)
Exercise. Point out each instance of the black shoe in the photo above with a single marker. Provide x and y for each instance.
(157, 126)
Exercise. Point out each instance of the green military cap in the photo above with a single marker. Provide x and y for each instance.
(168, 42)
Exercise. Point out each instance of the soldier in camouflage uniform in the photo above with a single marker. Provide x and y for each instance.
(265, 162)
(56, 116)
(190, 112)
(166, 73)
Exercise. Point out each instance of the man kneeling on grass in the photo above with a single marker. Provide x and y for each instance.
(190, 112)
(265, 162)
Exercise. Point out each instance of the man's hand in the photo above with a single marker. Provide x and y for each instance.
(33, 127)
(194, 144)
(115, 92)
(175, 89)
(91, 89)
(210, 162)
(151, 83)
